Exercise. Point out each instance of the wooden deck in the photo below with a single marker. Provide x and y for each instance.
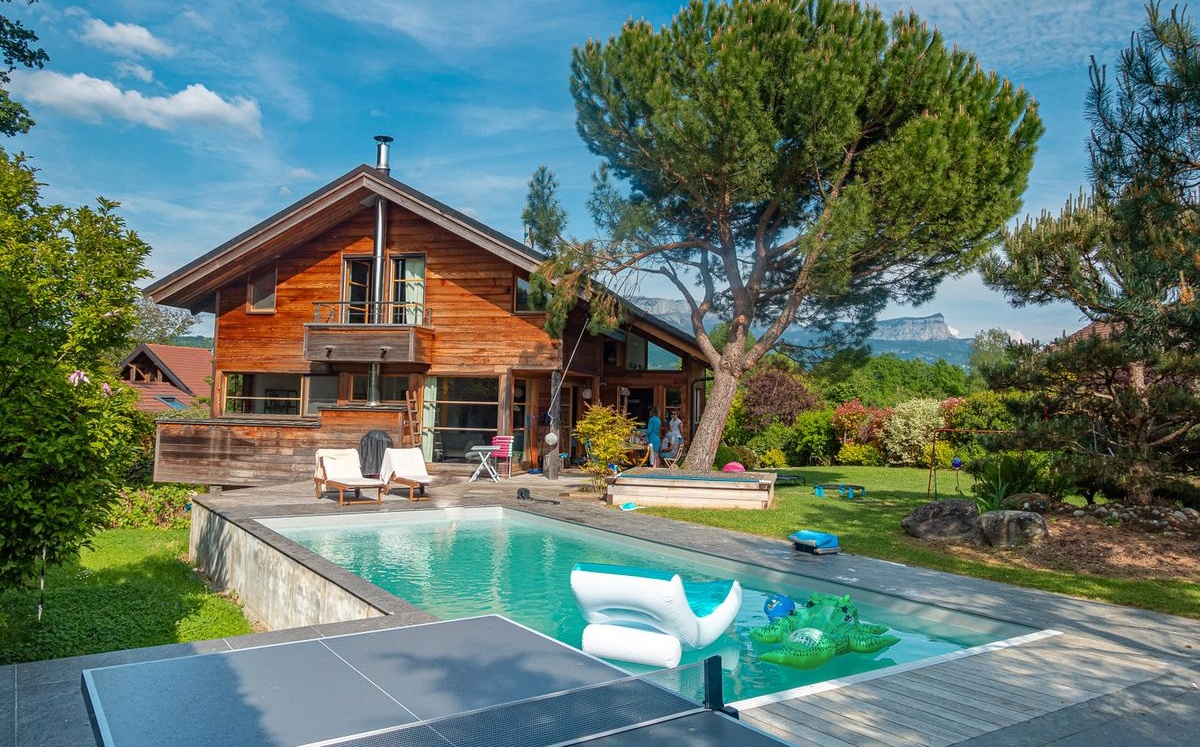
(950, 702)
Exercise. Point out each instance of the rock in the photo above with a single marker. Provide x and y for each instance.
(1079, 513)
(1027, 501)
(952, 520)
(1012, 528)
(1180, 516)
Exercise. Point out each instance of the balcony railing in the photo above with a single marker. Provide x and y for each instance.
(373, 312)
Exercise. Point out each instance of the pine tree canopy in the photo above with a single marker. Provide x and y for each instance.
(785, 162)
(1128, 253)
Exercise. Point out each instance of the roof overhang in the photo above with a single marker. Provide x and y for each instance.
(194, 286)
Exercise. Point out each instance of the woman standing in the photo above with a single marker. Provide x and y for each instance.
(654, 436)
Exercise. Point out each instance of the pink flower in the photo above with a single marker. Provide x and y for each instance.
(108, 392)
(77, 377)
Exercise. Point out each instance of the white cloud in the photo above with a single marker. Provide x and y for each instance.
(299, 173)
(124, 38)
(484, 120)
(1031, 37)
(441, 26)
(134, 70)
(91, 99)
(197, 20)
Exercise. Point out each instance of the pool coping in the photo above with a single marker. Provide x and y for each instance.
(1116, 676)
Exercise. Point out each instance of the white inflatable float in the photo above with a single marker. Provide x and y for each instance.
(648, 617)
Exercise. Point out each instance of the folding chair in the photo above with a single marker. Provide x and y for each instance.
(503, 454)
(672, 460)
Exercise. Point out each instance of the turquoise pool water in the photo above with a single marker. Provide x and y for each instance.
(470, 562)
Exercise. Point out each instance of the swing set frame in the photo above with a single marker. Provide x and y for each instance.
(931, 486)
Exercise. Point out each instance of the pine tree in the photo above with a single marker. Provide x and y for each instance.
(1122, 402)
(783, 162)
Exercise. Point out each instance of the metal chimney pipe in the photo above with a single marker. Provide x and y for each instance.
(381, 154)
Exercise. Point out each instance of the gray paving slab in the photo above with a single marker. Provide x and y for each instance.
(8, 705)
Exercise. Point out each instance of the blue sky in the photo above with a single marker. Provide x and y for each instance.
(202, 119)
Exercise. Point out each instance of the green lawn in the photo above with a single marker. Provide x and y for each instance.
(132, 590)
(870, 526)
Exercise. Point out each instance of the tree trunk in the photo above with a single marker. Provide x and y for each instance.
(703, 450)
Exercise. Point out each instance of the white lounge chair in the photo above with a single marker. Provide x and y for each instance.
(339, 469)
(405, 467)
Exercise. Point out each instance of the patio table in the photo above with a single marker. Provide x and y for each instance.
(484, 453)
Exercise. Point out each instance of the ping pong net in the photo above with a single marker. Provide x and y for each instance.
(563, 718)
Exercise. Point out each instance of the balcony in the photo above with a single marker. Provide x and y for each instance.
(359, 332)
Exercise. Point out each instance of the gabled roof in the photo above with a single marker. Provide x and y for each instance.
(186, 369)
(193, 285)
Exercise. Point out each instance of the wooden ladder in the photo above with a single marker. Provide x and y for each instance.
(410, 421)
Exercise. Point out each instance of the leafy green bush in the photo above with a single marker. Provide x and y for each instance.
(944, 456)
(859, 455)
(775, 436)
(813, 440)
(1004, 473)
(607, 433)
(725, 455)
(163, 506)
(772, 459)
(745, 456)
(909, 431)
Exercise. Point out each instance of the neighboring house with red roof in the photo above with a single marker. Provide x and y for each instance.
(1103, 330)
(168, 377)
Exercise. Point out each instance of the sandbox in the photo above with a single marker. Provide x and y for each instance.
(647, 486)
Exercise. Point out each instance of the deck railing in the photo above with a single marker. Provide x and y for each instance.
(372, 312)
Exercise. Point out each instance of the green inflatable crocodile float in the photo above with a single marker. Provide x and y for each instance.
(826, 626)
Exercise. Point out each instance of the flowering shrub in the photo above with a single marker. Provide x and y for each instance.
(909, 431)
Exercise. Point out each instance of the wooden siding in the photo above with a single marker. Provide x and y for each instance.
(469, 293)
(245, 453)
(368, 343)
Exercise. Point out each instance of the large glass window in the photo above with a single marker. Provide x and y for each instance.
(262, 394)
(322, 392)
(278, 394)
(635, 352)
(661, 359)
(391, 388)
(466, 414)
(408, 289)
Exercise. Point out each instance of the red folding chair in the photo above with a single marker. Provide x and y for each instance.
(503, 455)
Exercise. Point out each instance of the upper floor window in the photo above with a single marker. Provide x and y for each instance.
(408, 289)
(522, 300)
(405, 290)
(260, 293)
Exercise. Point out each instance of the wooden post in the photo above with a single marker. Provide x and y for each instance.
(550, 461)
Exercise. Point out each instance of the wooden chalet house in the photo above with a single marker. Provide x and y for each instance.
(368, 305)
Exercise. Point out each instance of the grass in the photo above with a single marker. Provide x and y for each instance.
(132, 590)
(870, 526)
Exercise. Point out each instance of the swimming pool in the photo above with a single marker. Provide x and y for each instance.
(465, 562)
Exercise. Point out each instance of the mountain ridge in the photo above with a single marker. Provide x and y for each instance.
(928, 338)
